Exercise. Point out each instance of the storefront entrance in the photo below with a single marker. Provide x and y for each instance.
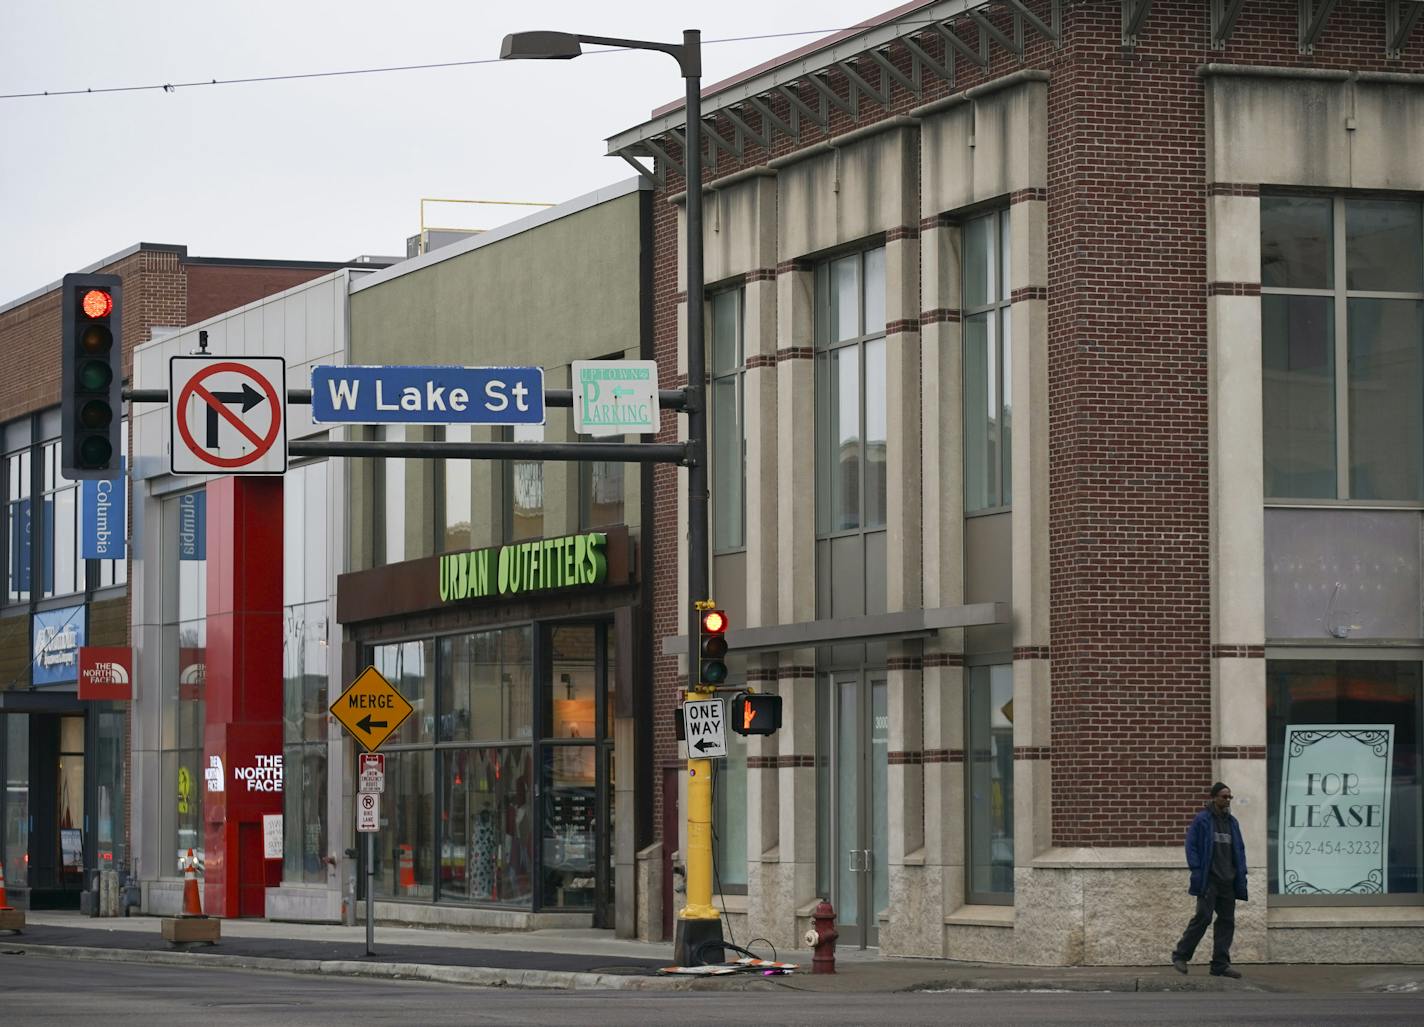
(854, 822)
(498, 788)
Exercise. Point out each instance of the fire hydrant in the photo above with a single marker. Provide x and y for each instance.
(822, 938)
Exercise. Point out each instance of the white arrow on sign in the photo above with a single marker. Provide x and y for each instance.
(706, 728)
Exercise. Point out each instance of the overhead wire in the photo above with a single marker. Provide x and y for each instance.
(173, 87)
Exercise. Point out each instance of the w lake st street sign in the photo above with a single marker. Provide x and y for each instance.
(427, 395)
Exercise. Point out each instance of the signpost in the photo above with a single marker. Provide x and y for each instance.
(371, 709)
(427, 395)
(615, 397)
(228, 416)
(706, 728)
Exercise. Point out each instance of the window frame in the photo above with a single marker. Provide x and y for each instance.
(998, 307)
(1339, 294)
(735, 373)
(987, 665)
(823, 349)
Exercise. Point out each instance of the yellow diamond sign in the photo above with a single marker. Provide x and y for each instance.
(371, 709)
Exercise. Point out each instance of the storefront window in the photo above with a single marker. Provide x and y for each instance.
(1343, 778)
(16, 839)
(524, 485)
(570, 839)
(184, 674)
(410, 668)
(109, 785)
(455, 533)
(304, 689)
(991, 783)
(486, 685)
(487, 854)
(59, 550)
(405, 867)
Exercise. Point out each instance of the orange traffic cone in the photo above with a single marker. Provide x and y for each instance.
(4, 902)
(192, 902)
(10, 919)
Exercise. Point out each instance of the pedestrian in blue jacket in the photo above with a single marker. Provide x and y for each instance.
(1216, 856)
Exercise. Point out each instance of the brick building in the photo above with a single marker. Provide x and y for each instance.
(1067, 455)
(66, 764)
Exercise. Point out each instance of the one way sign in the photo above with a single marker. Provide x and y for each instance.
(706, 728)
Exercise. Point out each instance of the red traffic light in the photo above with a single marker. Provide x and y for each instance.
(714, 622)
(96, 303)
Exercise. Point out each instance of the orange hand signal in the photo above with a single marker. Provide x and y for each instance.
(748, 715)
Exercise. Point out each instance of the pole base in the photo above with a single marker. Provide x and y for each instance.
(697, 942)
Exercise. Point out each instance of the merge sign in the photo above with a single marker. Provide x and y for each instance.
(615, 397)
(371, 709)
(706, 728)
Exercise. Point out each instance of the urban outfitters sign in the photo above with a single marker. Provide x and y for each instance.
(565, 562)
(1334, 812)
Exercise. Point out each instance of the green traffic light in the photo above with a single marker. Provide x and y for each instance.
(95, 451)
(95, 376)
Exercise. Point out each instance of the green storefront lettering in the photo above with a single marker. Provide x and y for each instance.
(565, 562)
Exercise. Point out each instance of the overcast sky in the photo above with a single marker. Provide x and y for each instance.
(327, 168)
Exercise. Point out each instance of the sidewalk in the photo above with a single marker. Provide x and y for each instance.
(595, 959)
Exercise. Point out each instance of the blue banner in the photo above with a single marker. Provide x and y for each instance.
(193, 526)
(102, 517)
(427, 395)
(55, 638)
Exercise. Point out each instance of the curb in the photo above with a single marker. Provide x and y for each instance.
(479, 976)
(1112, 984)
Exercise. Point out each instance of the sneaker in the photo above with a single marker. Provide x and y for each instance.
(1179, 965)
(1226, 971)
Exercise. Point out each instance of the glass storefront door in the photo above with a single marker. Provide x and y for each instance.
(855, 821)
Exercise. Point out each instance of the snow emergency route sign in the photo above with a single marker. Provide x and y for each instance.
(706, 728)
(229, 416)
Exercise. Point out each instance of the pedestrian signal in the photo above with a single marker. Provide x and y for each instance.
(755, 713)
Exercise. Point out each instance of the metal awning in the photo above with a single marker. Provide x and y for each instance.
(841, 630)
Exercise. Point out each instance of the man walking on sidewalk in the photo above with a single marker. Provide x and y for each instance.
(1216, 855)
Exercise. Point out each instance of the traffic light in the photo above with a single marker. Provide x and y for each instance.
(92, 364)
(712, 647)
(755, 713)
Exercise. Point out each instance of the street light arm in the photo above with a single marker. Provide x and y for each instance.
(519, 46)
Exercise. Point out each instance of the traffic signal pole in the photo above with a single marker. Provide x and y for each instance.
(698, 931)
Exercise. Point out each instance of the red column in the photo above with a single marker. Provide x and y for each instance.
(243, 688)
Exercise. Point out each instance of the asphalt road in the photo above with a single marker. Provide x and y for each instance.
(38, 990)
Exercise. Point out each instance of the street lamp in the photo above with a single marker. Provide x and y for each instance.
(699, 926)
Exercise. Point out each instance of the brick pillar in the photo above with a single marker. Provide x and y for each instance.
(243, 723)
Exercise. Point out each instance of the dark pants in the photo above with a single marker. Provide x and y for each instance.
(1215, 898)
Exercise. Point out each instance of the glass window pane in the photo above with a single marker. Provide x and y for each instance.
(304, 813)
(569, 835)
(572, 707)
(1296, 240)
(18, 528)
(458, 506)
(294, 519)
(405, 844)
(978, 242)
(728, 463)
(1006, 407)
(980, 408)
(1386, 395)
(876, 434)
(392, 507)
(845, 298)
(1383, 243)
(1005, 285)
(15, 843)
(991, 781)
(1327, 856)
(1298, 382)
(410, 668)
(487, 851)
(839, 484)
(603, 493)
(729, 793)
(874, 291)
(726, 331)
(526, 488)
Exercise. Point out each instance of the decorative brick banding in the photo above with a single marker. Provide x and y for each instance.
(1238, 652)
(939, 315)
(1233, 289)
(1238, 752)
(1033, 752)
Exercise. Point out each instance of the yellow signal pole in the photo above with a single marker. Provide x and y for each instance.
(699, 924)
